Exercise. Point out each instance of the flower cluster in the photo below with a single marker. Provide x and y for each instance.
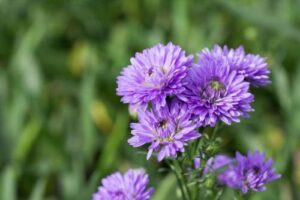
(162, 80)
(250, 172)
(173, 97)
(130, 186)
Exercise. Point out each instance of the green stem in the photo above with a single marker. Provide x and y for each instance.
(239, 196)
(197, 146)
(195, 192)
(219, 194)
(198, 143)
(214, 132)
(189, 152)
(181, 179)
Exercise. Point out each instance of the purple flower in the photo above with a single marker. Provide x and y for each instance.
(166, 128)
(256, 70)
(216, 162)
(250, 172)
(214, 92)
(130, 186)
(153, 75)
(253, 67)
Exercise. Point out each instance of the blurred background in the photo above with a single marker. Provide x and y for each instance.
(62, 127)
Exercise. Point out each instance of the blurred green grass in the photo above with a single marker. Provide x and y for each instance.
(62, 128)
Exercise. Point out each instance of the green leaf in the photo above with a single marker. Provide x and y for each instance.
(110, 151)
(166, 188)
(38, 190)
(87, 128)
(282, 88)
(28, 137)
(9, 184)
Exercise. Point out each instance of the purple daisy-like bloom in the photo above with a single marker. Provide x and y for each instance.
(167, 129)
(256, 70)
(214, 92)
(153, 75)
(216, 162)
(253, 67)
(250, 172)
(130, 186)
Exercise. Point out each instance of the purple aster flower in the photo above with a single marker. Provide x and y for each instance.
(256, 70)
(153, 75)
(216, 163)
(253, 67)
(250, 172)
(166, 128)
(214, 92)
(130, 186)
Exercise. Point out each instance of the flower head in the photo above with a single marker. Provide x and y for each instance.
(153, 75)
(214, 92)
(253, 67)
(250, 172)
(255, 70)
(130, 186)
(166, 128)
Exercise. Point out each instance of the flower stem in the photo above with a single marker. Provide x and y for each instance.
(176, 168)
(182, 178)
(178, 179)
(218, 194)
(239, 196)
(215, 130)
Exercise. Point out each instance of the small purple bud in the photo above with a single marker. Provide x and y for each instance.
(197, 162)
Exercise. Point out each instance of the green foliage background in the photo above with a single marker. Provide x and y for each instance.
(62, 127)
